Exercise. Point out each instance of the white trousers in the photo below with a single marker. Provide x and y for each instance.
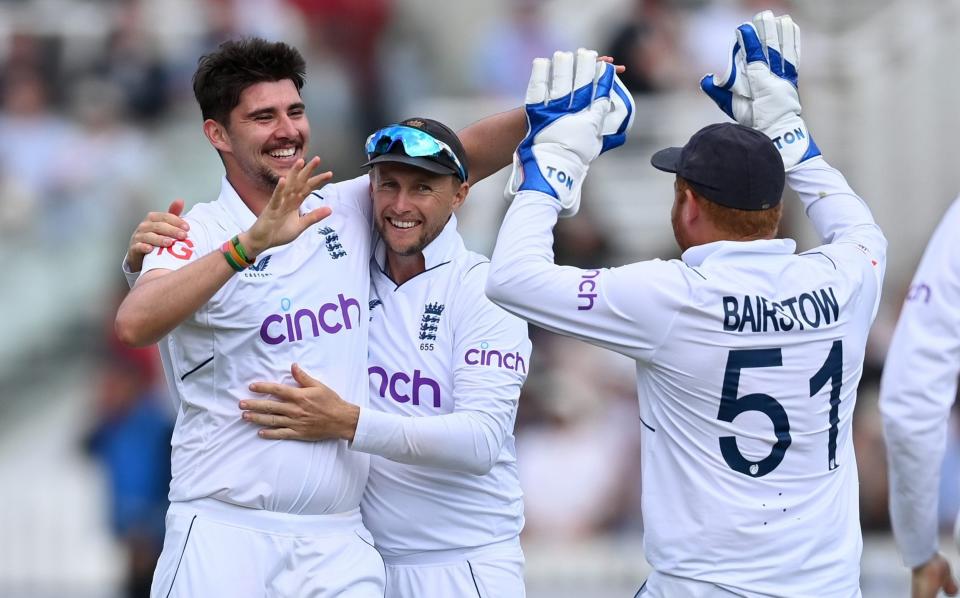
(490, 572)
(214, 549)
(661, 585)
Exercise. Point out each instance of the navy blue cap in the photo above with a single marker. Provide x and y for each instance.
(729, 164)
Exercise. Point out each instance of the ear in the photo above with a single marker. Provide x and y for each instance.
(691, 207)
(460, 195)
(217, 135)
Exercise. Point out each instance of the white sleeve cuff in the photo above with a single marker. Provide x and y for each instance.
(374, 431)
(130, 276)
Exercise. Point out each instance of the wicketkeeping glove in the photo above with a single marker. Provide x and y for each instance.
(759, 88)
(576, 109)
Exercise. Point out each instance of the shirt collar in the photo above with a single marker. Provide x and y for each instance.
(697, 255)
(235, 206)
(442, 249)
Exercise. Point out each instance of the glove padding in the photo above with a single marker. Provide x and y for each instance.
(759, 88)
(576, 109)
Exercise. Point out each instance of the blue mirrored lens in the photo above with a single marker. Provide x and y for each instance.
(416, 144)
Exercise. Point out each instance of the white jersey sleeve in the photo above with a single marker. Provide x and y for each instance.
(918, 387)
(615, 308)
(840, 217)
(470, 438)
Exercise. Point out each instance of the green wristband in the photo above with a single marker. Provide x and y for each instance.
(239, 247)
(233, 263)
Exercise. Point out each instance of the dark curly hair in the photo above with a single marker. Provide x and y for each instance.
(222, 75)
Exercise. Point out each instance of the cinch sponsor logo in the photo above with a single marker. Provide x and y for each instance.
(182, 250)
(292, 326)
(492, 357)
(404, 388)
(587, 286)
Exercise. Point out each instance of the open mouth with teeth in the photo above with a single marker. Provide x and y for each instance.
(402, 224)
(283, 154)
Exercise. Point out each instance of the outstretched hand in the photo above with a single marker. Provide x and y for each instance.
(280, 222)
(310, 411)
(158, 229)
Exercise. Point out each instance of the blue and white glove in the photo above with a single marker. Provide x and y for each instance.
(759, 89)
(576, 109)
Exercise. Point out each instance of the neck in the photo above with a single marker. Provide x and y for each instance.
(252, 194)
(404, 267)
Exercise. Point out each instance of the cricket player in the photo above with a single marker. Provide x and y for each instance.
(747, 354)
(256, 283)
(443, 499)
(918, 388)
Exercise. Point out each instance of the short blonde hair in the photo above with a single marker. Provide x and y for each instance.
(738, 224)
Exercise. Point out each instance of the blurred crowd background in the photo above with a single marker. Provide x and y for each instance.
(98, 125)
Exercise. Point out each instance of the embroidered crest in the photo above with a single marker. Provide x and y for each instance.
(430, 321)
(332, 242)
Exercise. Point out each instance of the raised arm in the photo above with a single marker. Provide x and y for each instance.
(490, 142)
(759, 90)
(176, 286)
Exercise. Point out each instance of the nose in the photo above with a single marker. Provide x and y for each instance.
(286, 129)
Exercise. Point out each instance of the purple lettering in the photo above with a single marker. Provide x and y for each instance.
(520, 363)
(322, 312)
(313, 323)
(466, 358)
(419, 381)
(265, 330)
(345, 305)
(375, 369)
(393, 387)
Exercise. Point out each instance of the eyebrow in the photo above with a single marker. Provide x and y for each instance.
(271, 110)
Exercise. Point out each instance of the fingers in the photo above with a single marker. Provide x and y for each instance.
(719, 94)
(269, 420)
(767, 30)
(303, 378)
(537, 88)
(790, 46)
(176, 207)
(317, 181)
(280, 434)
(281, 391)
(750, 43)
(314, 216)
(269, 406)
(561, 77)
(619, 67)
(586, 68)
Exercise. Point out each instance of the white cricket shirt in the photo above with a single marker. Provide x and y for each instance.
(919, 386)
(446, 366)
(305, 302)
(748, 358)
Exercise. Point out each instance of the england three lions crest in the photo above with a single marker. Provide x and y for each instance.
(430, 321)
(332, 243)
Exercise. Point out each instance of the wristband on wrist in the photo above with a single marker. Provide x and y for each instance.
(235, 241)
(232, 257)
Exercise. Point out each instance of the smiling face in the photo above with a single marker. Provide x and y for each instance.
(411, 205)
(267, 132)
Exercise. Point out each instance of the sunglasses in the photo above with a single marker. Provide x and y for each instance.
(416, 144)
